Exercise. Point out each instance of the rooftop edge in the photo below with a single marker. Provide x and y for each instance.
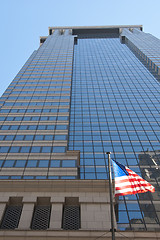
(96, 27)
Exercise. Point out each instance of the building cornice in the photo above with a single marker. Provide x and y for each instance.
(96, 27)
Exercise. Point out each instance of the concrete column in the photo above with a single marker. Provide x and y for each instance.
(26, 216)
(56, 216)
(2, 209)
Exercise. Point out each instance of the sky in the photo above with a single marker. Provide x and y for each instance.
(24, 21)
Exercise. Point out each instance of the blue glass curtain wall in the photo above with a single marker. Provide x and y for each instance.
(114, 107)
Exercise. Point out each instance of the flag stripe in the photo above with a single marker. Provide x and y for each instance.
(130, 184)
(119, 193)
(136, 186)
(124, 180)
(131, 190)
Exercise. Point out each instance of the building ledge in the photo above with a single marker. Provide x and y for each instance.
(54, 185)
(78, 235)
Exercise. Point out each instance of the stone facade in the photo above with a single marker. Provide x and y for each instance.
(93, 197)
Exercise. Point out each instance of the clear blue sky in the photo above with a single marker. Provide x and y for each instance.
(23, 21)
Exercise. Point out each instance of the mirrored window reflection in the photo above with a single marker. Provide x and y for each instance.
(109, 113)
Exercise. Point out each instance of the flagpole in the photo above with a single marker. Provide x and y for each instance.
(111, 196)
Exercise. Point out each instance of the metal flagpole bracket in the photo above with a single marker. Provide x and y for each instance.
(111, 197)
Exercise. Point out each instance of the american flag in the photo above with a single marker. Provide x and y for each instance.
(128, 182)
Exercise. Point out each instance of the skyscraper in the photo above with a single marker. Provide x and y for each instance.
(84, 92)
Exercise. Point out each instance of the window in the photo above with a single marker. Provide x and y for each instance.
(14, 149)
(68, 163)
(18, 119)
(32, 127)
(40, 177)
(48, 137)
(25, 149)
(28, 137)
(41, 127)
(1, 162)
(52, 118)
(9, 137)
(59, 149)
(2, 118)
(35, 118)
(23, 127)
(28, 177)
(32, 163)
(46, 149)
(38, 137)
(2, 137)
(61, 127)
(14, 127)
(41, 215)
(16, 177)
(35, 149)
(20, 163)
(50, 127)
(19, 137)
(12, 214)
(44, 118)
(43, 163)
(60, 137)
(55, 163)
(5, 127)
(8, 163)
(26, 118)
(62, 118)
(71, 214)
(4, 149)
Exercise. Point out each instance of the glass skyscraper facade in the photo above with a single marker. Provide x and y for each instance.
(35, 115)
(114, 107)
(85, 92)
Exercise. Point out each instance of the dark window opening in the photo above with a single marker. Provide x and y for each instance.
(12, 214)
(41, 215)
(71, 214)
